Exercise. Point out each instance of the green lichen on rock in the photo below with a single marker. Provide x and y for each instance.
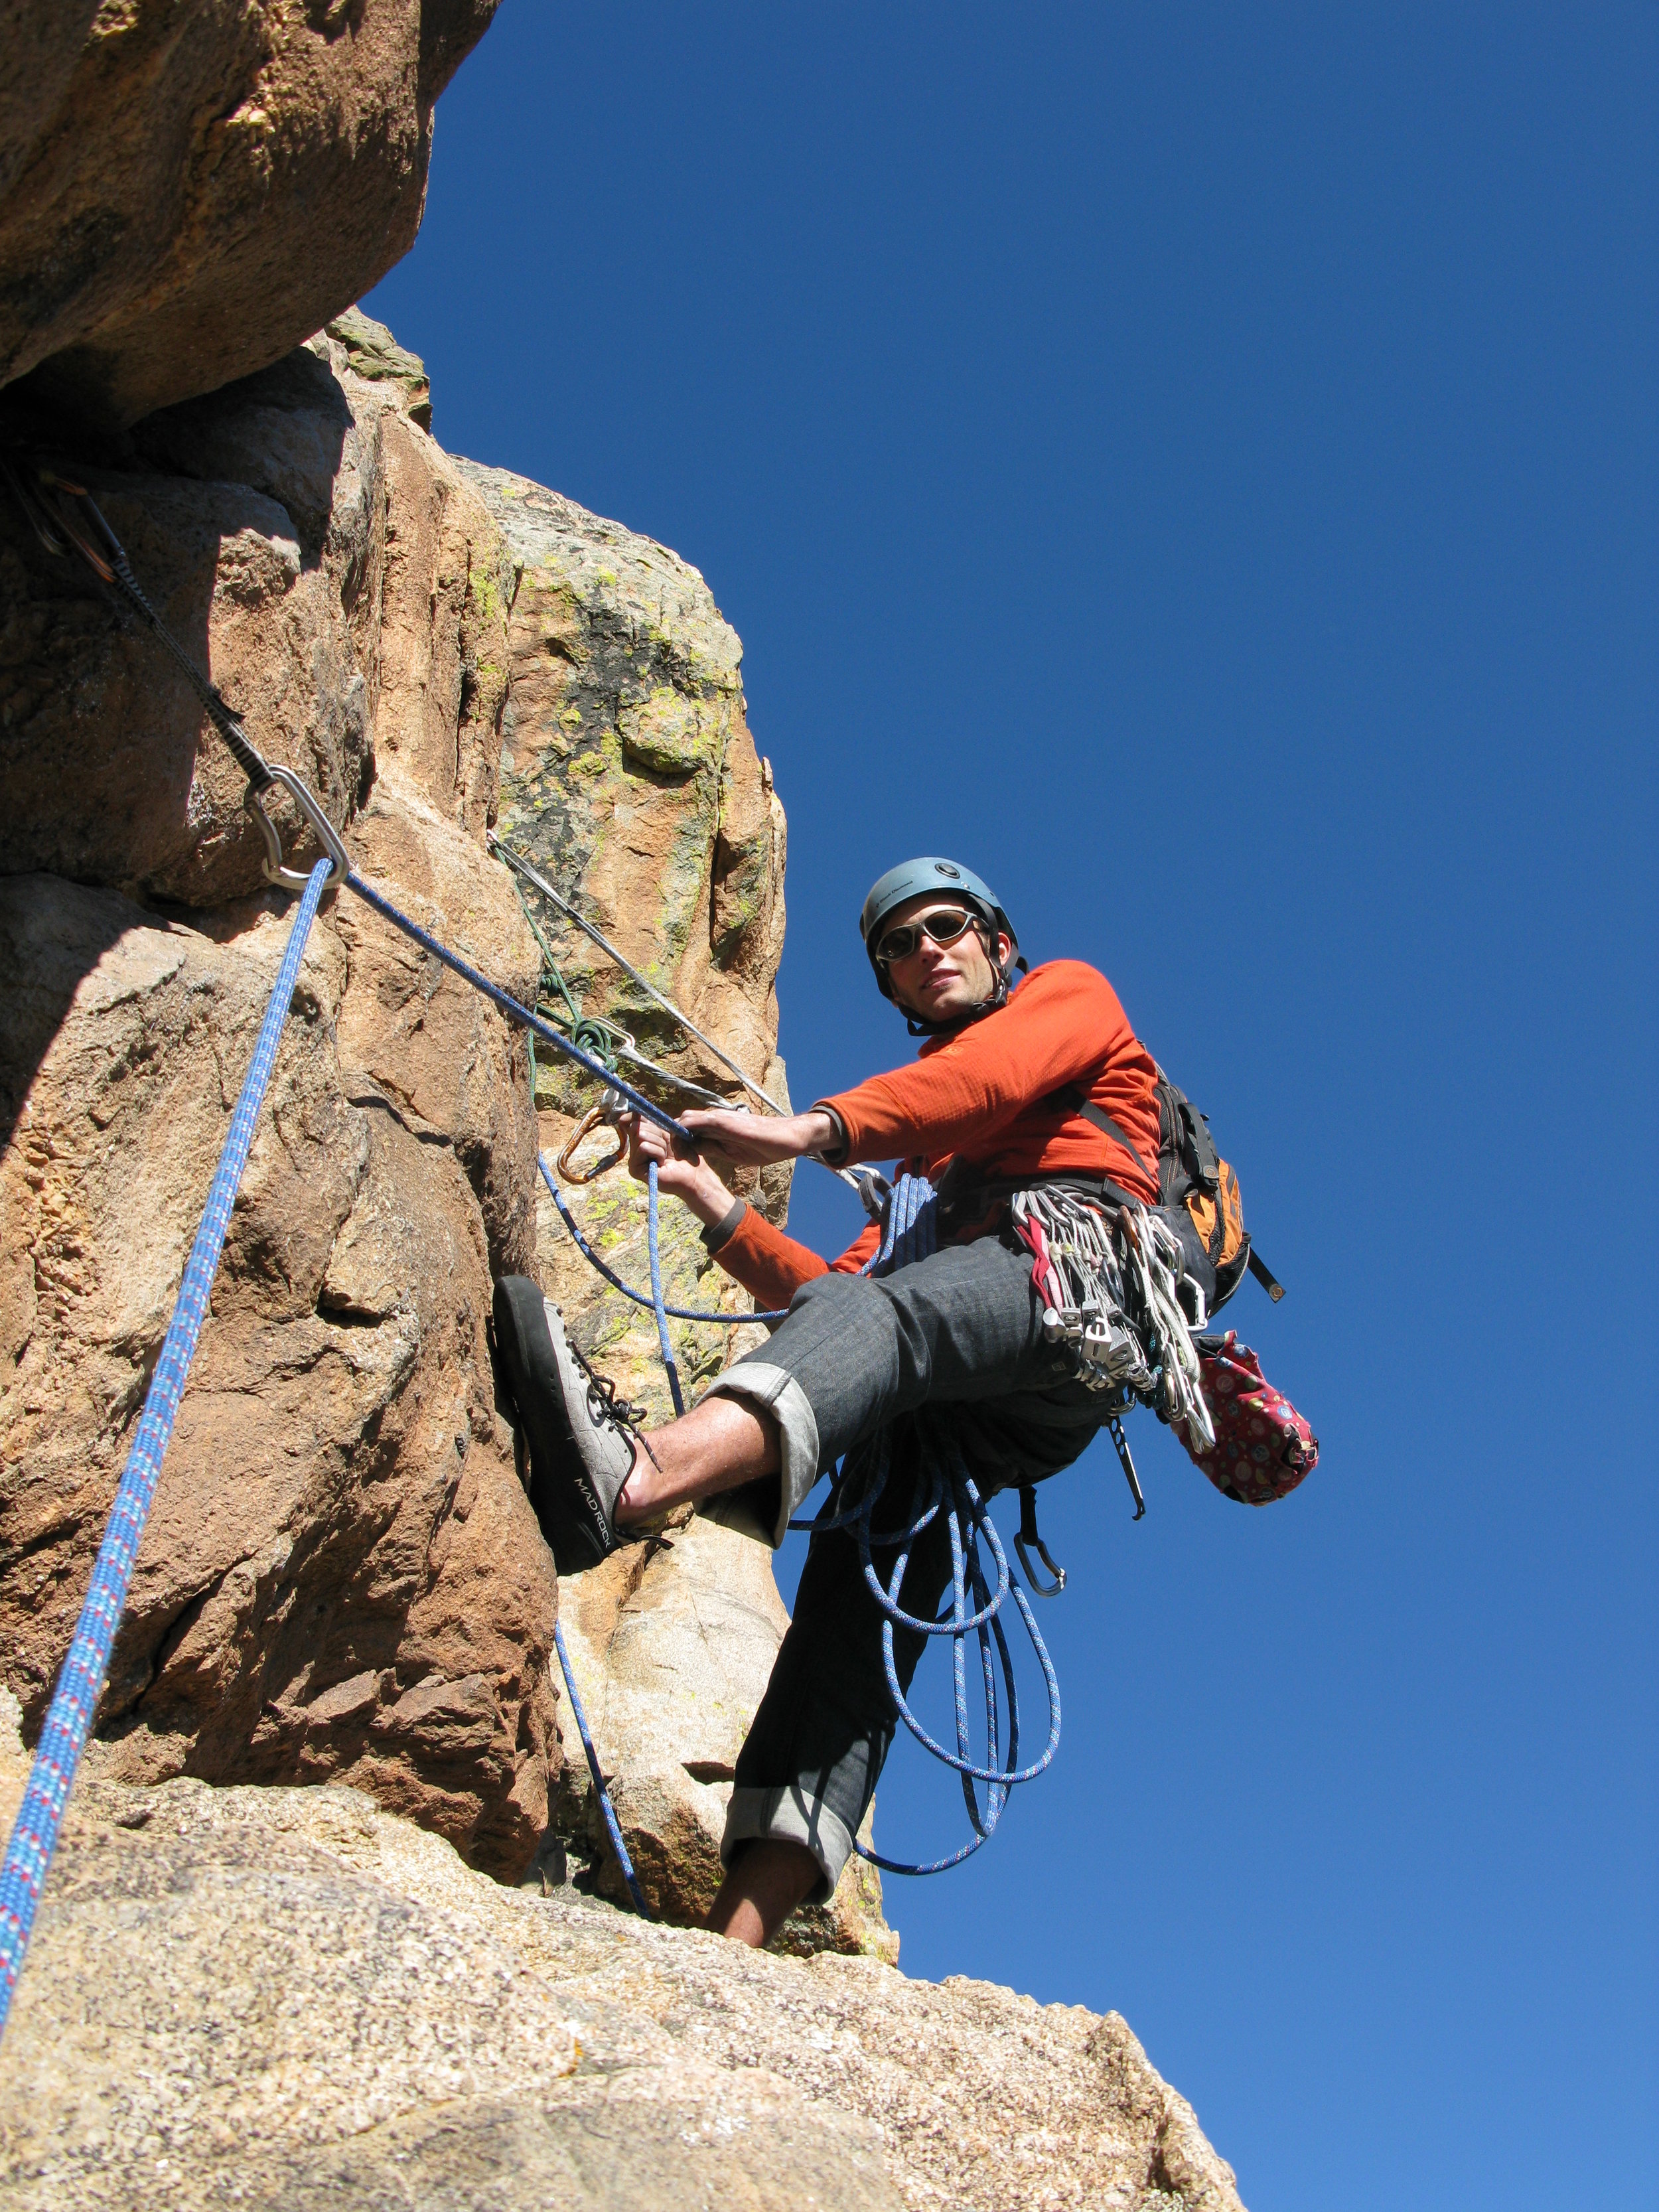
(376, 355)
(669, 734)
(622, 733)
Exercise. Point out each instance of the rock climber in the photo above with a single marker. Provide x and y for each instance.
(959, 1333)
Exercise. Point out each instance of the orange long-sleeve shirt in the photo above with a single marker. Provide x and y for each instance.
(981, 1095)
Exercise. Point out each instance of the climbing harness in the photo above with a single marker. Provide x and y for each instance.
(910, 1233)
(81, 1681)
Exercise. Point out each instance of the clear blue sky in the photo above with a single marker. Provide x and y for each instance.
(1198, 466)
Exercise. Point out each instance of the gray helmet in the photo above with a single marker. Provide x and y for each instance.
(910, 879)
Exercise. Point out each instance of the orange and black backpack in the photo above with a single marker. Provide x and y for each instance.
(1193, 1174)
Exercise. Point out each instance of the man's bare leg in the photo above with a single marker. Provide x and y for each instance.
(718, 1445)
(768, 1881)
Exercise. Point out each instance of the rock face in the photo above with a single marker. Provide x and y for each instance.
(274, 1997)
(627, 769)
(189, 187)
(342, 1576)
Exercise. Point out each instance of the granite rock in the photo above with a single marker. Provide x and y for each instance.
(189, 187)
(257, 1997)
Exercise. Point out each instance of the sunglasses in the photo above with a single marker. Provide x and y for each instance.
(945, 924)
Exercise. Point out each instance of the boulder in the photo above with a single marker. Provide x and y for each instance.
(188, 188)
(281, 1998)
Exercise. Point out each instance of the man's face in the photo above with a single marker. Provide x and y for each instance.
(937, 981)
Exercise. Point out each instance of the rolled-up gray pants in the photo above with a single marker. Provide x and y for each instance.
(959, 1334)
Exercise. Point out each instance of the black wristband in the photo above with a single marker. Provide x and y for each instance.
(714, 1238)
(834, 1151)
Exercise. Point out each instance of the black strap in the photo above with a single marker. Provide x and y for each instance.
(1028, 1521)
(1265, 1276)
(1207, 1161)
(1074, 1101)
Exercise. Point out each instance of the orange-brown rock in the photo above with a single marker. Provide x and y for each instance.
(342, 1576)
(189, 187)
(341, 1573)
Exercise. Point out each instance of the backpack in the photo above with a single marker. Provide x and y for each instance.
(1192, 1174)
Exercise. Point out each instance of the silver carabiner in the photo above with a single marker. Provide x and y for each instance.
(295, 879)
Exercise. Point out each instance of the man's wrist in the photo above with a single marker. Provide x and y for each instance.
(710, 1200)
(831, 1143)
(716, 1233)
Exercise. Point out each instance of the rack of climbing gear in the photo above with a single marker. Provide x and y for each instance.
(1115, 1288)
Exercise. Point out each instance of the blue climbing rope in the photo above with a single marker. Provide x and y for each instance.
(640, 1297)
(520, 1014)
(910, 1233)
(605, 1805)
(80, 1683)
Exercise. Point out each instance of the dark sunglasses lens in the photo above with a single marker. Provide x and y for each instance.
(943, 928)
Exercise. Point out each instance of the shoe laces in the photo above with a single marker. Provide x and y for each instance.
(605, 1408)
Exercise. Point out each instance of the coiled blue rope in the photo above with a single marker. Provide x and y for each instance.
(910, 1233)
(80, 1683)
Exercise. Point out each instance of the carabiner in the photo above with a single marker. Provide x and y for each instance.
(1028, 1534)
(295, 879)
(1115, 1430)
(610, 1106)
(1038, 1588)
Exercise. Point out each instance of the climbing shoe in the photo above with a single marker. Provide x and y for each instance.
(580, 1451)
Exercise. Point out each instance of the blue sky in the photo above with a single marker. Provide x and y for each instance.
(1198, 466)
